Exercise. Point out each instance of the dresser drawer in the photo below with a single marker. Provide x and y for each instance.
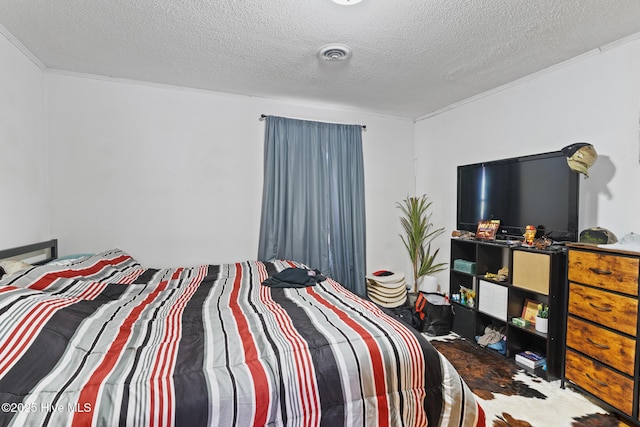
(616, 273)
(602, 382)
(608, 347)
(614, 311)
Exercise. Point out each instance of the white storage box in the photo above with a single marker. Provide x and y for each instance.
(493, 299)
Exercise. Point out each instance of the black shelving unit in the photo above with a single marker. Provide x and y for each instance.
(540, 275)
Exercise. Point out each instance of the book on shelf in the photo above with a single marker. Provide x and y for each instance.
(530, 359)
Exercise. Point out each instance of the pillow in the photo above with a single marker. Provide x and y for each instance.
(69, 259)
(12, 266)
(73, 256)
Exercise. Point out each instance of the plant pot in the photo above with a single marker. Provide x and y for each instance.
(428, 284)
(542, 324)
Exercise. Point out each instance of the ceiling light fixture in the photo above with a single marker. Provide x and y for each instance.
(347, 2)
(334, 52)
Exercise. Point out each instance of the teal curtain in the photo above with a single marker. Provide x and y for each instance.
(313, 198)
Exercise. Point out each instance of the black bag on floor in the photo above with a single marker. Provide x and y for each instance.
(406, 315)
(434, 314)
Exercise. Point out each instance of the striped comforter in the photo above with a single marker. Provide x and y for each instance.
(104, 341)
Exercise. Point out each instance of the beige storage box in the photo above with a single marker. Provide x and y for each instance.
(531, 271)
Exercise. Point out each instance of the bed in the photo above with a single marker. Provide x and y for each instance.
(102, 340)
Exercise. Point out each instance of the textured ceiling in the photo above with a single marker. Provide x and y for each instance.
(410, 57)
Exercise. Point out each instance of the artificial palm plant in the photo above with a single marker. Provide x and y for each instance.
(543, 311)
(419, 232)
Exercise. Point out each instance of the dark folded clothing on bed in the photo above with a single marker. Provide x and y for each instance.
(294, 278)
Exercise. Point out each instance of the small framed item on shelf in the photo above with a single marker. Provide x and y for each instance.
(487, 229)
(529, 310)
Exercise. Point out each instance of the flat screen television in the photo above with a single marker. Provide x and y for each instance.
(539, 189)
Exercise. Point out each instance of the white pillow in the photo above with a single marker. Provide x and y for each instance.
(69, 259)
(11, 266)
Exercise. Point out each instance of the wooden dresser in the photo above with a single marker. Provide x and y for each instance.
(602, 353)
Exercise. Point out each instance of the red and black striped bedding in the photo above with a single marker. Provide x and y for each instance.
(104, 341)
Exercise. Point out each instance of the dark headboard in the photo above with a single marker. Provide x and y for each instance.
(48, 248)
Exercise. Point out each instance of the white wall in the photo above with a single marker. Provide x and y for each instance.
(595, 99)
(23, 174)
(174, 176)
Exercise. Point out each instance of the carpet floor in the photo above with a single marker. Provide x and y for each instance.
(512, 397)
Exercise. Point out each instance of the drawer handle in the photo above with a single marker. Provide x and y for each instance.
(600, 383)
(601, 272)
(602, 346)
(599, 308)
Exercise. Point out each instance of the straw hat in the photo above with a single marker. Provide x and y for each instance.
(386, 278)
(387, 288)
(389, 303)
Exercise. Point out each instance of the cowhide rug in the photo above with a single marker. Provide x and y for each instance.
(511, 397)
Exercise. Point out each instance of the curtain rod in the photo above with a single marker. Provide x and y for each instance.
(264, 116)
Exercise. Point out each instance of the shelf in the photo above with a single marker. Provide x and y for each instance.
(542, 278)
(493, 351)
(539, 371)
(529, 329)
(458, 303)
(463, 272)
(497, 282)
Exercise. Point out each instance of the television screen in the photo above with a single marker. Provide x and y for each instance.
(540, 190)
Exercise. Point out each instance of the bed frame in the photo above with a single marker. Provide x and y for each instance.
(48, 249)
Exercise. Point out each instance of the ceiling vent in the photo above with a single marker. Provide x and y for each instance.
(334, 52)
